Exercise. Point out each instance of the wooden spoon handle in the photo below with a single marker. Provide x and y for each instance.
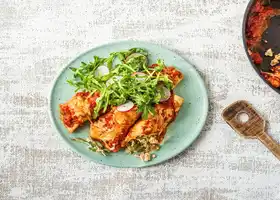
(270, 143)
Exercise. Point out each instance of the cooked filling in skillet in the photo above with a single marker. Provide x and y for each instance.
(257, 23)
(117, 99)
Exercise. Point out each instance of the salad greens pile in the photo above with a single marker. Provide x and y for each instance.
(130, 80)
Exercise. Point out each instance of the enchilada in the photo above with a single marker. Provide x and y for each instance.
(147, 134)
(77, 110)
(112, 127)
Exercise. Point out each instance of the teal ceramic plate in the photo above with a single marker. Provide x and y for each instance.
(180, 134)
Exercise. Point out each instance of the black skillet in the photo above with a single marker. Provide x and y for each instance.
(270, 35)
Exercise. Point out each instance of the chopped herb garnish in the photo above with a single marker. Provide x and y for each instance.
(93, 145)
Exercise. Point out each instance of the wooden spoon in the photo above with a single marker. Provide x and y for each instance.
(253, 127)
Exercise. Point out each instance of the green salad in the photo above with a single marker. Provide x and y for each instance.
(121, 77)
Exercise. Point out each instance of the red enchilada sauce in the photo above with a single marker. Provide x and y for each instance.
(69, 116)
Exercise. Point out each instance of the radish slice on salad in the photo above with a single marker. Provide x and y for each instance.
(139, 76)
(165, 94)
(126, 106)
(102, 71)
(111, 80)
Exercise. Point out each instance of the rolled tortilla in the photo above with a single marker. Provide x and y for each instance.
(77, 110)
(173, 74)
(112, 127)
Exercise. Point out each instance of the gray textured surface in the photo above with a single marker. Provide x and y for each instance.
(39, 37)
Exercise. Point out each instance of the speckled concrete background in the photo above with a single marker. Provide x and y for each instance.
(39, 37)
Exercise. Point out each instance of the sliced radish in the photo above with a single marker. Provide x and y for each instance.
(139, 76)
(102, 71)
(126, 106)
(165, 94)
(111, 80)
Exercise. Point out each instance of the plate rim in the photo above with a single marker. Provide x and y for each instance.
(203, 117)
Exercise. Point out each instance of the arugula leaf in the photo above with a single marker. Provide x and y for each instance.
(137, 62)
(122, 55)
(160, 65)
